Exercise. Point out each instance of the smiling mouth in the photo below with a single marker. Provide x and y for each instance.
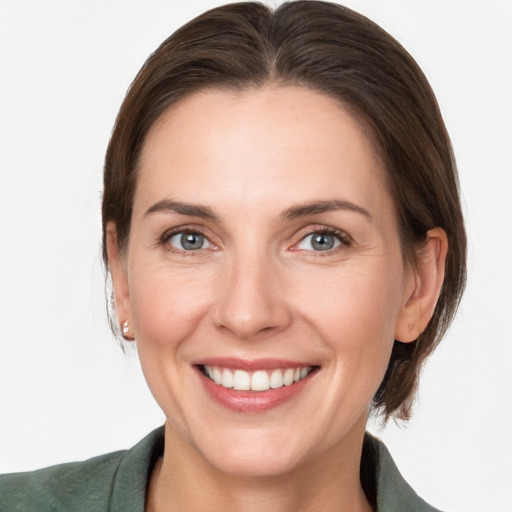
(259, 380)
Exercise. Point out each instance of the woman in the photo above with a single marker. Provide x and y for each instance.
(282, 225)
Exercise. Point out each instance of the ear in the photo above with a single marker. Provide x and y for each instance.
(422, 287)
(119, 276)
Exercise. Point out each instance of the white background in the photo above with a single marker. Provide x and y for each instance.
(67, 392)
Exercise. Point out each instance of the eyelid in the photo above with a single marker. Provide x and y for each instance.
(344, 238)
(168, 234)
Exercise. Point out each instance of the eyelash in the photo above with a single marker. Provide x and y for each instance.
(344, 239)
(166, 237)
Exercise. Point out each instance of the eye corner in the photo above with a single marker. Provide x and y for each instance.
(174, 240)
(328, 240)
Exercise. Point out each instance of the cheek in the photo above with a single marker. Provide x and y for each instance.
(355, 314)
(167, 308)
(354, 302)
(167, 305)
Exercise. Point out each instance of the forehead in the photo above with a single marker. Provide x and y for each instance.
(259, 143)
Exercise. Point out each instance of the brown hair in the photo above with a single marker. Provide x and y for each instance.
(332, 49)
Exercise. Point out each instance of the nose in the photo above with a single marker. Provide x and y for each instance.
(253, 299)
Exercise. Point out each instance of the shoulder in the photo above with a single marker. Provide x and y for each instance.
(93, 485)
(60, 487)
(393, 493)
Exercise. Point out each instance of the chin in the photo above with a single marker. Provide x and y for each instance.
(256, 462)
(249, 453)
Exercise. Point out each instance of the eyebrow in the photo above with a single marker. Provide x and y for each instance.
(304, 210)
(191, 210)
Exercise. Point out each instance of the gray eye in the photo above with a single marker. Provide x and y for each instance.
(319, 242)
(188, 241)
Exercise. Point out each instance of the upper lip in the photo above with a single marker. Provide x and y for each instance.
(234, 363)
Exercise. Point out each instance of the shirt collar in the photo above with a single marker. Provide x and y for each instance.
(380, 477)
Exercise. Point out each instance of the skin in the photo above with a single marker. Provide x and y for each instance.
(259, 289)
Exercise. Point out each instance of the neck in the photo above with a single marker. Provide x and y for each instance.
(182, 481)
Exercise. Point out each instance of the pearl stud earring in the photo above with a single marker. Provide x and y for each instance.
(125, 327)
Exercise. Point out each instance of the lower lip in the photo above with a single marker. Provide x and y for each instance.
(252, 401)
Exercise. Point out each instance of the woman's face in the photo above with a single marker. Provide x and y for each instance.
(264, 254)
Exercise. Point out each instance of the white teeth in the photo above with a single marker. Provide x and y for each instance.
(241, 381)
(260, 380)
(227, 378)
(217, 376)
(276, 379)
(288, 376)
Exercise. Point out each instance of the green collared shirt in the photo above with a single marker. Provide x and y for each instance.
(117, 482)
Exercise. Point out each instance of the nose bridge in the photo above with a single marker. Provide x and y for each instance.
(251, 300)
